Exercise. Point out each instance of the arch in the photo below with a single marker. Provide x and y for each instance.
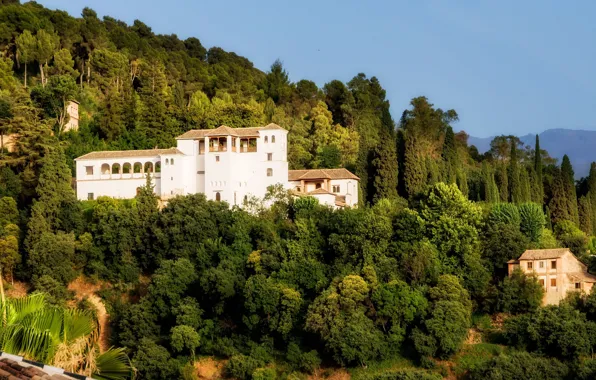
(269, 172)
(148, 168)
(138, 167)
(126, 168)
(167, 161)
(218, 196)
(272, 139)
(116, 168)
(105, 168)
(266, 139)
(158, 167)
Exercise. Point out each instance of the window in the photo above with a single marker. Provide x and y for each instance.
(216, 158)
(218, 197)
(269, 172)
(541, 264)
(553, 282)
(171, 178)
(578, 285)
(105, 169)
(266, 139)
(336, 188)
(172, 161)
(126, 168)
(553, 264)
(530, 266)
(542, 282)
(167, 161)
(89, 196)
(89, 170)
(272, 139)
(318, 186)
(234, 197)
(269, 156)
(245, 198)
(298, 189)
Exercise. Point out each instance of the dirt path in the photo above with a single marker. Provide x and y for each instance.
(84, 289)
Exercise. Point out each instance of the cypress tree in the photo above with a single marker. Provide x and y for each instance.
(490, 191)
(585, 214)
(503, 183)
(524, 180)
(558, 206)
(384, 168)
(538, 182)
(515, 191)
(415, 174)
(450, 157)
(569, 189)
(592, 193)
(462, 182)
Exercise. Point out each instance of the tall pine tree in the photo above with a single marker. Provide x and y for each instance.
(503, 182)
(558, 206)
(585, 214)
(449, 156)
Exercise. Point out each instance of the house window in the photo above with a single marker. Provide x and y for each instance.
(541, 264)
(167, 161)
(89, 170)
(216, 158)
(553, 264)
(89, 196)
(298, 188)
(171, 178)
(336, 188)
(542, 282)
(218, 197)
(245, 198)
(266, 139)
(553, 282)
(269, 156)
(269, 172)
(578, 285)
(172, 161)
(272, 139)
(530, 266)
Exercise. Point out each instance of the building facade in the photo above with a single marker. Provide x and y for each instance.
(225, 164)
(72, 109)
(558, 271)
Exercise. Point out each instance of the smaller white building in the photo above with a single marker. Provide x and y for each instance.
(332, 187)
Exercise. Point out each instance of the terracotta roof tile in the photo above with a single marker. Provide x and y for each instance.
(581, 276)
(320, 192)
(541, 254)
(342, 173)
(224, 130)
(128, 153)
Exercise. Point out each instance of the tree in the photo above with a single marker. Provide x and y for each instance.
(569, 188)
(64, 64)
(505, 213)
(452, 223)
(592, 193)
(531, 221)
(520, 293)
(47, 44)
(558, 205)
(26, 48)
(515, 186)
(585, 215)
(384, 167)
(277, 84)
(539, 193)
(444, 331)
(449, 156)
(60, 337)
(501, 243)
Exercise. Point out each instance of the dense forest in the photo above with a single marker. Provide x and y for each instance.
(393, 289)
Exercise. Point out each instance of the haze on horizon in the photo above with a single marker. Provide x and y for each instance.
(506, 67)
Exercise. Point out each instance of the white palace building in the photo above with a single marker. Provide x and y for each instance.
(225, 164)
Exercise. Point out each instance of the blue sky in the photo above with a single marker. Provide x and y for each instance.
(507, 67)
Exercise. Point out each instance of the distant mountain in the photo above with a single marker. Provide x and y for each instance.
(579, 145)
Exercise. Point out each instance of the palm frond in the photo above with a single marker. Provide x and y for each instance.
(113, 364)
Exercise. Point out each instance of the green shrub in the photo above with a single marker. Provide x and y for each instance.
(505, 213)
(520, 366)
(264, 374)
(242, 367)
(402, 374)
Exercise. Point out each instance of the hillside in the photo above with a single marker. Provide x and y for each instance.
(579, 145)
